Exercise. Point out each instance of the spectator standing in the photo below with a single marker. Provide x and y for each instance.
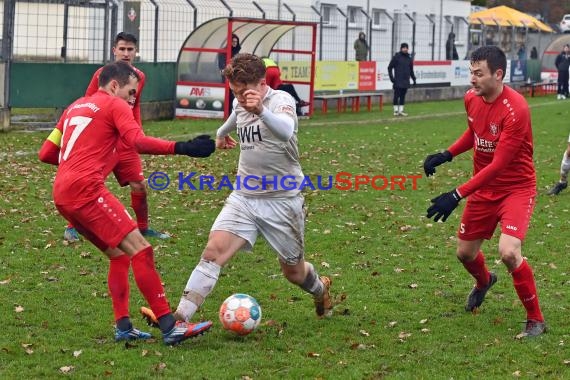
(361, 47)
(562, 63)
(450, 49)
(400, 70)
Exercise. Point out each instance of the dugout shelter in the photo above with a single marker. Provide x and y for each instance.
(201, 90)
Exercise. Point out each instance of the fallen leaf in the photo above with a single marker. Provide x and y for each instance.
(144, 353)
(324, 264)
(365, 333)
(517, 374)
(423, 321)
(77, 353)
(424, 330)
(18, 309)
(567, 362)
(404, 335)
(160, 367)
(413, 286)
(4, 282)
(66, 369)
(313, 355)
(392, 324)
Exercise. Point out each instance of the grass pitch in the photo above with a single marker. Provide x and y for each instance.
(398, 288)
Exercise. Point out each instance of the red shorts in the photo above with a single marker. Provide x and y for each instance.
(129, 165)
(104, 221)
(484, 209)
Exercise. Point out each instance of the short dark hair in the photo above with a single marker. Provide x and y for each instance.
(245, 68)
(119, 71)
(127, 37)
(494, 56)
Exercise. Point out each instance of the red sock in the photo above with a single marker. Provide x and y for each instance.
(69, 225)
(478, 270)
(148, 281)
(523, 280)
(118, 283)
(140, 207)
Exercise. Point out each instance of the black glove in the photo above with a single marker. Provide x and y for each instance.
(443, 205)
(201, 146)
(434, 160)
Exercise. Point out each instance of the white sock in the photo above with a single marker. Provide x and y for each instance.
(199, 286)
(312, 283)
(564, 167)
(400, 109)
(395, 109)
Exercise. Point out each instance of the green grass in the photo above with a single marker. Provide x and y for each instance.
(399, 289)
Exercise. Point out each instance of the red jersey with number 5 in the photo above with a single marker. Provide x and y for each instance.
(500, 135)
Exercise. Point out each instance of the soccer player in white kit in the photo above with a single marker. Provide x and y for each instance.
(263, 201)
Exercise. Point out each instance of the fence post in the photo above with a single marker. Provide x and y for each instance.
(155, 30)
(7, 47)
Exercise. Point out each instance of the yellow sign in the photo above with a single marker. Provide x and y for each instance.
(295, 71)
(334, 75)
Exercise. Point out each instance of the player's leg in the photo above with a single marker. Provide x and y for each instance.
(564, 170)
(92, 220)
(232, 230)
(516, 212)
(282, 224)
(478, 222)
(128, 171)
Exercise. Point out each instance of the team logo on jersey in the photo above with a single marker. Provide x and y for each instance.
(494, 129)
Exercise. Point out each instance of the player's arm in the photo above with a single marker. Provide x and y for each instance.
(281, 122)
(49, 152)
(390, 68)
(137, 105)
(508, 146)
(132, 134)
(223, 138)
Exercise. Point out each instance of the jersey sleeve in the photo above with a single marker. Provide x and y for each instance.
(513, 135)
(93, 84)
(49, 152)
(132, 134)
(462, 144)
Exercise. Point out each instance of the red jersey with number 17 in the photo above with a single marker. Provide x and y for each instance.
(500, 135)
(92, 126)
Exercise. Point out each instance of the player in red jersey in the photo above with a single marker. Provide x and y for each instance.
(503, 186)
(91, 128)
(128, 170)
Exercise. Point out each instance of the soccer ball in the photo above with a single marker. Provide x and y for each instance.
(240, 314)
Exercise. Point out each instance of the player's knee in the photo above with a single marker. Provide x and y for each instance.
(139, 187)
(465, 255)
(510, 256)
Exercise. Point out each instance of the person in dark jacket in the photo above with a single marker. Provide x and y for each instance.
(400, 70)
(361, 47)
(562, 65)
(450, 49)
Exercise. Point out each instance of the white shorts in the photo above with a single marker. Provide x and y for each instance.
(281, 221)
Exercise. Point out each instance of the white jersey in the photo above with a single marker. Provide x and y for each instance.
(267, 166)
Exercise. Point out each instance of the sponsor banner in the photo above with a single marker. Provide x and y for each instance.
(382, 78)
(460, 73)
(432, 72)
(367, 76)
(335, 75)
(199, 101)
(295, 71)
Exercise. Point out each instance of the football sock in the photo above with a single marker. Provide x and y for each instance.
(69, 225)
(118, 284)
(199, 285)
(396, 109)
(140, 207)
(523, 280)
(564, 167)
(148, 281)
(124, 324)
(166, 323)
(478, 270)
(312, 283)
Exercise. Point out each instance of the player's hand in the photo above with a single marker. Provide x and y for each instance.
(414, 82)
(434, 160)
(253, 102)
(226, 142)
(201, 146)
(443, 205)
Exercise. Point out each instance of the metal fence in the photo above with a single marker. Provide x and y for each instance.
(83, 30)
